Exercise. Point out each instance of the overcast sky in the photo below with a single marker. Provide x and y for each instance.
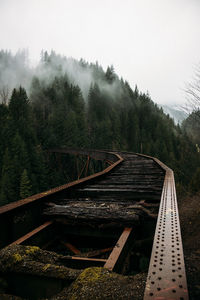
(152, 43)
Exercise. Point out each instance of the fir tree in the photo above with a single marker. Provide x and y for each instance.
(25, 185)
(9, 186)
(110, 74)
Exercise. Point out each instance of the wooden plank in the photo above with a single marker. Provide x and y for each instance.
(117, 250)
(120, 187)
(97, 214)
(114, 189)
(31, 233)
(131, 180)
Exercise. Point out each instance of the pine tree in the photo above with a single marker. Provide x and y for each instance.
(110, 74)
(195, 181)
(18, 106)
(3, 133)
(9, 187)
(25, 185)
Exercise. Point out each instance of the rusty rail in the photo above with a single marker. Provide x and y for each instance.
(99, 155)
(18, 214)
(32, 233)
(166, 278)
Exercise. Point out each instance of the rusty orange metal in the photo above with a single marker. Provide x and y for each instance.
(43, 195)
(166, 278)
(71, 247)
(31, 233)
(117, 250)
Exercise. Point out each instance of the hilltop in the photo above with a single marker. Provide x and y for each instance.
(176, 113)
(66, 102)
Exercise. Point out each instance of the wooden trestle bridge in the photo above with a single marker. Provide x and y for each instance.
(98, 218)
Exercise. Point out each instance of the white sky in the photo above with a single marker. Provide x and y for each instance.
(152, 43)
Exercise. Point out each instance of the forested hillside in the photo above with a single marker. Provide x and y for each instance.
(192, 126)
(64, 102)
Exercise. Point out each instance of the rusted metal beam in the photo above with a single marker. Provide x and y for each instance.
(166, 276)
(31, 233)
(71, 247)
(87, 165)
(109, 162)
(83, 168)
(8, 207)
(77, 166)
(117, 250)
(82, 262)
(79, 258)
(97, 252)
(95, 154)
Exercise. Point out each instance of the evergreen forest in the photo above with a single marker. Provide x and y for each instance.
(63, 102)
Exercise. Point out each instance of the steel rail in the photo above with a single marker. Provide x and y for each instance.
(114, 256)
(166, 278)
(32, 233)
(118, 159)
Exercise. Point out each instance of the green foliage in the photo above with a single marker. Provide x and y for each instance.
(192, 126)
(25, 185)
(8, 180)
(110, 74)
(18, 106)
(18, 148)
(195, 181)
(111, 116)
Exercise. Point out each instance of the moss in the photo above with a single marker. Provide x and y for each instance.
(91, 274)
(89, 277)
(17, 257)
(46, 267)
(73, 297)
(99, 283)
(32, 260)
(31, 249)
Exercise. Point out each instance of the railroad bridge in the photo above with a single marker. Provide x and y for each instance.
(99, 220)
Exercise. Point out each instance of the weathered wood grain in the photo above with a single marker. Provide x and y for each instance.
(127, 195)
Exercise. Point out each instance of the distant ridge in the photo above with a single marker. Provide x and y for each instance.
(175, 113)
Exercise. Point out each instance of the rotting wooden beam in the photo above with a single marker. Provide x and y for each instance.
(31, 233)
(117, 250)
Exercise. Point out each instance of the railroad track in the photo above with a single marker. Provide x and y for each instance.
(134, 191)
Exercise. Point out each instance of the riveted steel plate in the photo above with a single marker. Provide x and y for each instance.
(166, 276)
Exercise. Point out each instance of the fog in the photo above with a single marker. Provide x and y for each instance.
(154, 44)
(16, 70)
